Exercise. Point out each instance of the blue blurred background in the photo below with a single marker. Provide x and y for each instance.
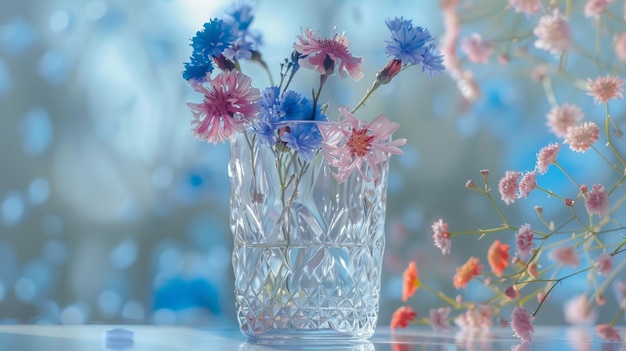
(112, 212)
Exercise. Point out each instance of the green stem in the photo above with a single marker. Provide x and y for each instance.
(371, 90)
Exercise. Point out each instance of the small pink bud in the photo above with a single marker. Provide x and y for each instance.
(583, 188)
(391, 70)
(470, 185)
(504, 59)
(541, 296)
(511, 293)
(600, 300)
(569, 202)
(539, 209)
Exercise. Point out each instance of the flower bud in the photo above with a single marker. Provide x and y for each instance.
(391, 70)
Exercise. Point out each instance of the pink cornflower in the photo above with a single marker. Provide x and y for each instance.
(476, 49)
(439, 318)
(579, 310)
(597, 201)
(547, 156)
(565, 255)
(402, 316)
(351, 144)
(508, 186)
(228, 102)
(521, 323)
(323, 54)
(607, 332)
(602, 89)
(596, 7)
(620, 46)
(553, 33)
(441, 236)
(560, 118)
(603, 264)
(527, 184)
(524, 241)
(528, 7)
(581, 137)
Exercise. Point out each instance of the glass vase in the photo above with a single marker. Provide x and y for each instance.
(308, 250)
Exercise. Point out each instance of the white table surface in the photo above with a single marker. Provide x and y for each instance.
(169, 338)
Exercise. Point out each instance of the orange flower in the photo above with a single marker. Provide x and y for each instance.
(402, 316)
(411, 281)
(497, 256)
(466, 272)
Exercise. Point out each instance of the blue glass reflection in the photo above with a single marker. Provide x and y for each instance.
(37, 131)
(17, 36)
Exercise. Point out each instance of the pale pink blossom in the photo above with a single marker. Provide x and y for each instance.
(316, 52)
(525, 345)
(524, 241)
(476, 49)
(560, 118)
(596, 7)
(547, 156)
(597, 201)
(579, 310)
(479, 317)
(581, 137)
(439, 318)
(508, 186)
(441, 236)
(603, 264)
(565, 255)
(351, 144)
(554, 33)
(620, 46)
(521, 323)
(229, 101)
(604, 88)
(608, 332)
(527, 184)
(528, 7)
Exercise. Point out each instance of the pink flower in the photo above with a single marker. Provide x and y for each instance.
(521, 323)
(508, 186)
(439, 318)
(620, 46)
(528, 7)
(318, 52)
(402, 316)
(524, 241)
(466, 272)
(565, 255)
(547, 156)
(603, 264)
(441, 236)
(479, 317)
(602, 89)
(476, 49)
(579, 310)
(607, 332)
(581, 137)
(553, 33)
(228, 102)
(597, 201)
(498, 257)
(527, 184)
(511, 293)
(410, 281)
(560, 118)
(351, 144)
(596, 7)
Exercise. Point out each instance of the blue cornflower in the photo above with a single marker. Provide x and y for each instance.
(198, 68)
(294, 106)
(266, 123)
(216, 37)
(303, 137)
(433, 61)
(239, 16)
(407, 44)
(240, 49)
(397, 23)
